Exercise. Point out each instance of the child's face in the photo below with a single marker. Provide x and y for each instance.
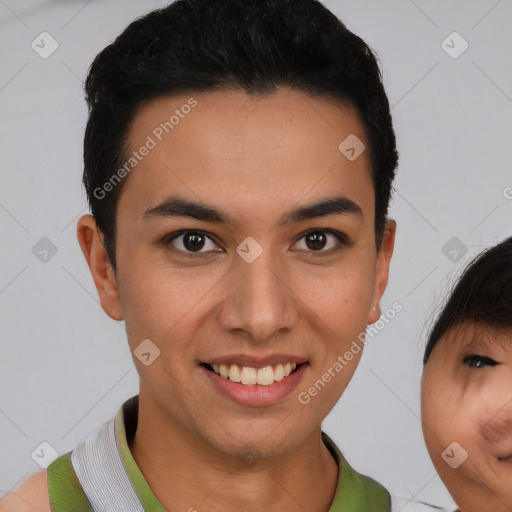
(467, 400)
(201, 299)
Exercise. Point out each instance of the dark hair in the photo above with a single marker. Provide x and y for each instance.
(252, 46)
(483, 294)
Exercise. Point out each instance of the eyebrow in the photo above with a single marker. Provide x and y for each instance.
(176, 206)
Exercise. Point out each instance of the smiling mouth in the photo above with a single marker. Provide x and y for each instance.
(506, 460)
(250, 376)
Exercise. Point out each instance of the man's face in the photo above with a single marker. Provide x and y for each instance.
(258, 292)
(467, 415)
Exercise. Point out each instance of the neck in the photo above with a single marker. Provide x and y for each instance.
(186, 473)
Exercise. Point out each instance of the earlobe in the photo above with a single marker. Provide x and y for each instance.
(374, 314)
(90, 239)
(382, 268)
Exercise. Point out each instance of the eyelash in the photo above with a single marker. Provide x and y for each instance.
(168, 239)
(473, 360)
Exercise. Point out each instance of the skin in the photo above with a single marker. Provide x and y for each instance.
(468, 399)
(31, 495)
(255, 158)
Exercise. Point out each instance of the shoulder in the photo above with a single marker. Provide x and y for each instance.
(31, 495)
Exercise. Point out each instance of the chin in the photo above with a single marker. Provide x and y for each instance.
(262, 442)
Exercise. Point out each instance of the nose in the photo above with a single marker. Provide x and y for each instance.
(497, 429)
(260, 298)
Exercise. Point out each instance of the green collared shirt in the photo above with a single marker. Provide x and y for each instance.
(354, 492)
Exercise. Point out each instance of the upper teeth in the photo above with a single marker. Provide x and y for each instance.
(247, 375)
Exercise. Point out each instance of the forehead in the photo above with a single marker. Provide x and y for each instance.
(472, 336)
(227, 147)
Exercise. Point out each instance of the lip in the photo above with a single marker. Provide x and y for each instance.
(256, 395)
(255, 361)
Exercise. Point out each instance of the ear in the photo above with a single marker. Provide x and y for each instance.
(90, 239)
(382, 269)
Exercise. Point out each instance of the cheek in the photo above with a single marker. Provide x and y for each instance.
(336, 308)
(437, 427)
(342, 291)
(495, 421)
(163, 307)
(158, 301)
(445, 432)
(336, 311)
(443, 414)
(452, 413)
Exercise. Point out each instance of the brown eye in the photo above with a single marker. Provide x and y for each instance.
(191, 242)
(317, 240)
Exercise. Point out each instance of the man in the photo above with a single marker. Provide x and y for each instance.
(239, 157)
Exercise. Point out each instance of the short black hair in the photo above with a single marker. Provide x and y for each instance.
(483, 295)
(252, 46)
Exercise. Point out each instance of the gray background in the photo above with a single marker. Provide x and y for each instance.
(64, 365)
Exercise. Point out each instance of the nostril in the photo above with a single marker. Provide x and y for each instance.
(496, 432)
